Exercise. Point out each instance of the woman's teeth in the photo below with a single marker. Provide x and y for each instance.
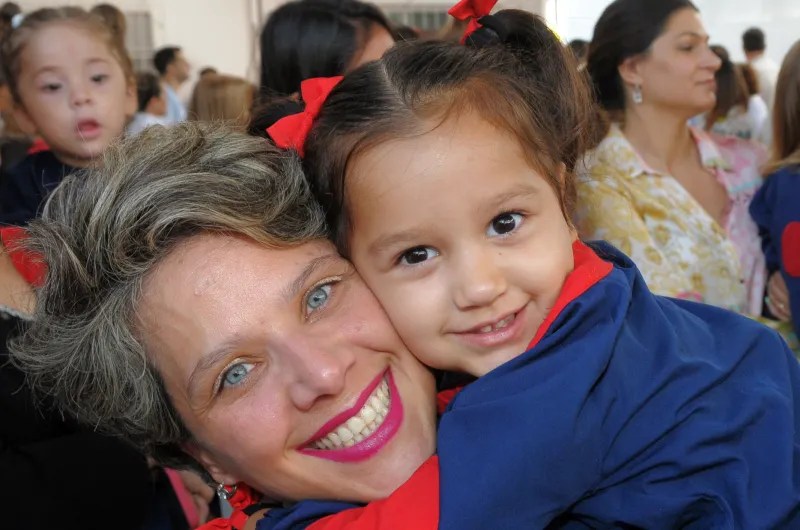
(498, 325)
(360, 426)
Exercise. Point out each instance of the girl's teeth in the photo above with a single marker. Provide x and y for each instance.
(359, 427)
(499, 325)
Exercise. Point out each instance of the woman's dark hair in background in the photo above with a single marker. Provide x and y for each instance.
(513, 71)
(750, 77)
(625, 29)
(148, 86)
(731, 88)
(579, 48)
(313, 38)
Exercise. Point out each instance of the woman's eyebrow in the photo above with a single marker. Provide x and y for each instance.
(292, 290)
(209, 361)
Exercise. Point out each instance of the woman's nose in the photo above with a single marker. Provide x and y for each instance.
(477, 281)
(319, 369)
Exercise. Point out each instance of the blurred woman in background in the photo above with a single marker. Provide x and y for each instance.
(305, 39)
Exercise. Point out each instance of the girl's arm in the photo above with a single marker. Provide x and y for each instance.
(776, 212)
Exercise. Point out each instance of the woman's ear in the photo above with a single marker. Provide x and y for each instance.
(630, 71)
(211, 465)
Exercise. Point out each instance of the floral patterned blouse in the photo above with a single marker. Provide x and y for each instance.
(679, 248)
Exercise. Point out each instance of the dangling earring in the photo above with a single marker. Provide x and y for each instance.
(224, 493)
(637, 94)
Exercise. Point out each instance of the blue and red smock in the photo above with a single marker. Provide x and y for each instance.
(776, 211)
(629, 410)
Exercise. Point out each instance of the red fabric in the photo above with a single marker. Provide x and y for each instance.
(31, 266)
(790, 249)
(415, 505)
(444, 398)
(291, 132)
(589, 269)
(473, 10)
(38, 146)
(243, 498)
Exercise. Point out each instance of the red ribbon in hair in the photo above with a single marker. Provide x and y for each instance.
(471, 9)
(291, 132)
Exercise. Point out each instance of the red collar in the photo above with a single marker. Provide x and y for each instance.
(589, 270)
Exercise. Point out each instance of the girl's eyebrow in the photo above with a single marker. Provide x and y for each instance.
(516, 192)
(388, 241)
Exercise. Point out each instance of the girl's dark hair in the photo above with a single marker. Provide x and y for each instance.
(513, 71)
(731, 88)
(313, 38)
(625, 29)
(148, 86)
(115, 18)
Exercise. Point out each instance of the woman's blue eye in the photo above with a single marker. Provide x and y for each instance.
(504, 224)
(236, 374)
(318, 297)
(417, 255)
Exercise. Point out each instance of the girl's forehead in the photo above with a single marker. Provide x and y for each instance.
(55, 41)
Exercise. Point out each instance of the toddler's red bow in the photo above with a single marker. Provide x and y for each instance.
(291, 132)
(471, 9)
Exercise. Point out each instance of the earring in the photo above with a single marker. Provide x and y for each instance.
(224, 493)
(637, 94)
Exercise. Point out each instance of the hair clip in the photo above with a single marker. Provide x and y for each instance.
(17, 20)
(291, 132)
(473, 10)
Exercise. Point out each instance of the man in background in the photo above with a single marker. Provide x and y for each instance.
(755, 45)
(174, 70)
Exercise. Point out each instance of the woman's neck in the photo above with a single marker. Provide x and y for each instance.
(661, 138)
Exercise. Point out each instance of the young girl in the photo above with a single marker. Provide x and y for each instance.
(447, 174)
(73, 85)
(776, 207)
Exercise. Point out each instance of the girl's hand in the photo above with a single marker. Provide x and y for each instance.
(778, 298)
(253, 520)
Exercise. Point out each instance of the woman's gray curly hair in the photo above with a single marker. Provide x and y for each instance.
(104, 230)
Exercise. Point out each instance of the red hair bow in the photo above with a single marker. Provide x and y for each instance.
(472, 9)
(291, 132)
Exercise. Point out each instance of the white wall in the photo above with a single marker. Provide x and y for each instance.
(725, 21)
(218, 33)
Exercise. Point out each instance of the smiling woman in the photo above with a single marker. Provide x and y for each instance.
(193, 308)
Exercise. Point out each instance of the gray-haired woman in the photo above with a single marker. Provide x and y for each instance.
(193, 307)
